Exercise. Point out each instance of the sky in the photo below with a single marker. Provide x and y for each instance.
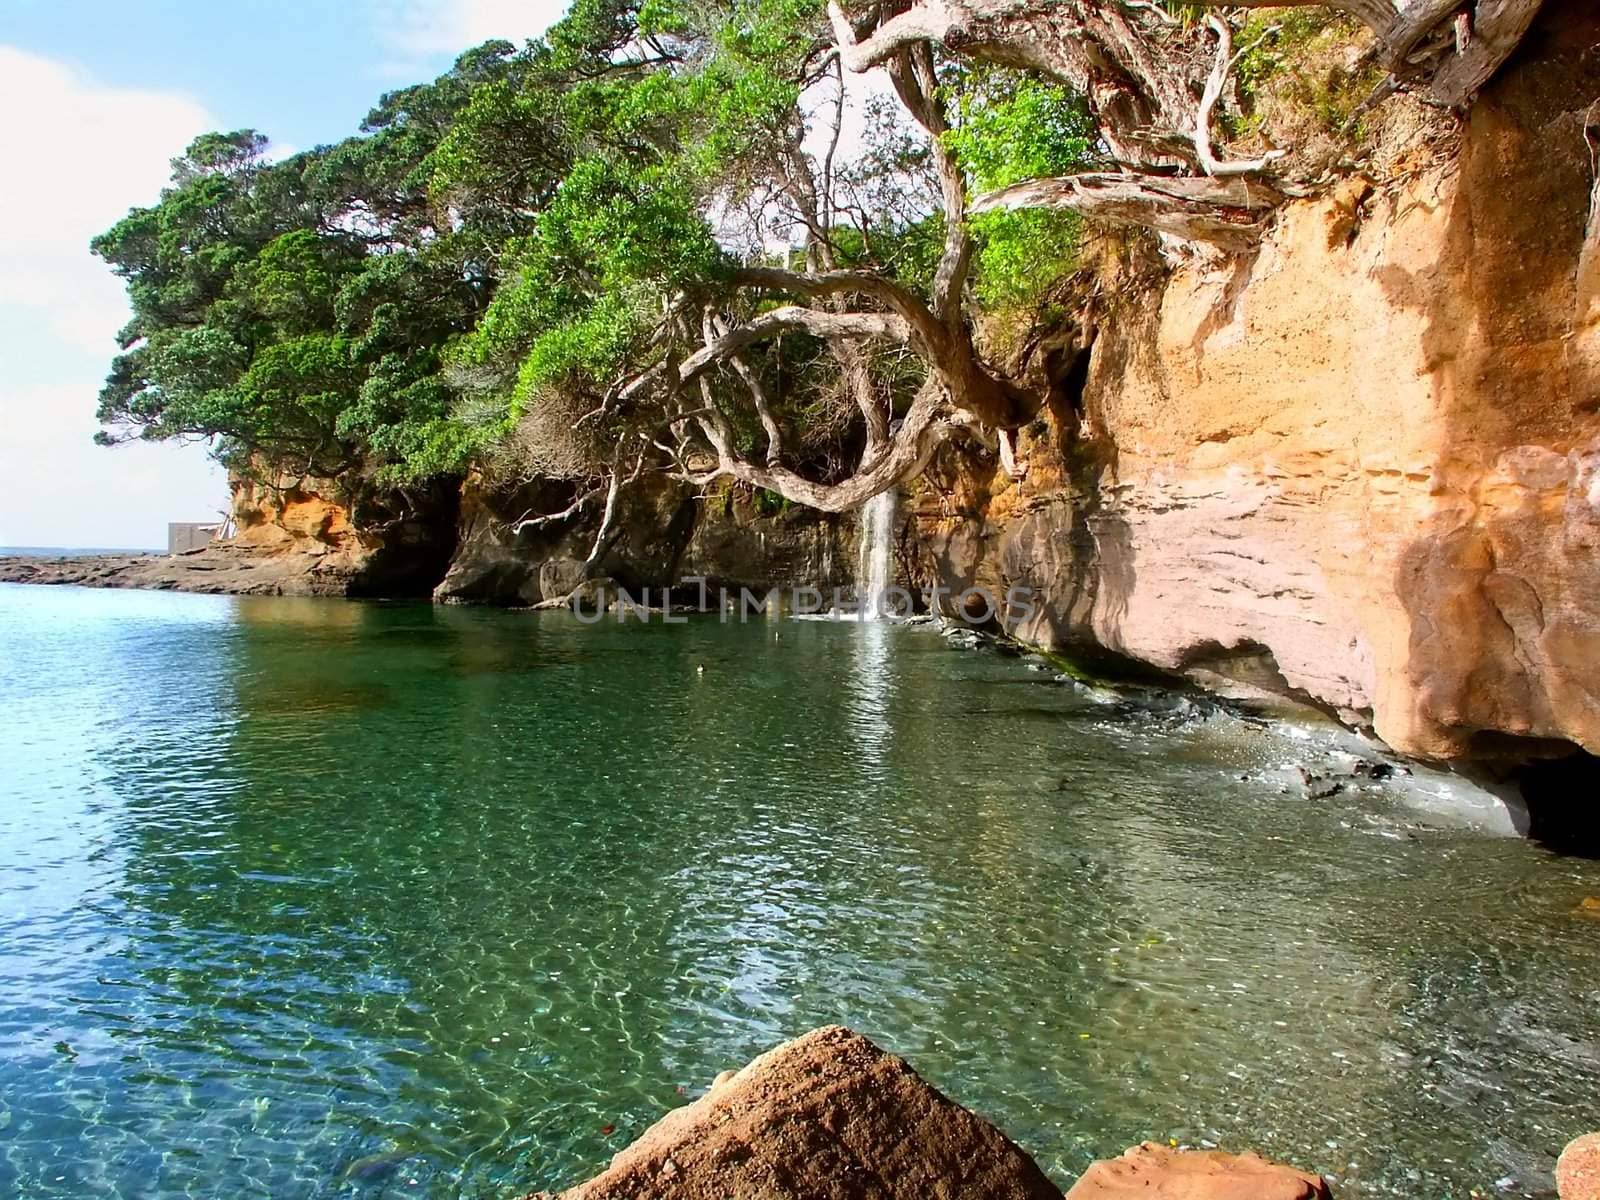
(95, 98)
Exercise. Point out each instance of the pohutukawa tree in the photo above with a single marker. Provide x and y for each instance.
(670, 240)
(1153, 85)
(1103, 108)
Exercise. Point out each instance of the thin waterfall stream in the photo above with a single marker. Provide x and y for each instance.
(874, 566)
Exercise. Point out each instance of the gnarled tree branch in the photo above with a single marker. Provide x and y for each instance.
(1230, 213)
(926, 426)
(779, 320)
(1225, 62)
(716, 327)
(1498, 27)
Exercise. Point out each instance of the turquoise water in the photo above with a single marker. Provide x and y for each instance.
(316, 898)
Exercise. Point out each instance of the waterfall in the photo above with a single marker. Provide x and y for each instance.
(874, 569)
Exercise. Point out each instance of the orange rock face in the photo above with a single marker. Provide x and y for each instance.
(1152, 1172)
(828, 1116)
(1578, 1172)
(1365, 458)
(299, 518)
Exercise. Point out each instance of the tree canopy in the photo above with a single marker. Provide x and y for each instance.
(681, 237)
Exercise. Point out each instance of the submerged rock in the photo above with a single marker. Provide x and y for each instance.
(1154, 1172)
(826, 1115)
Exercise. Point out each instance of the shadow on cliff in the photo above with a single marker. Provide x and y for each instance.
(1503, 653)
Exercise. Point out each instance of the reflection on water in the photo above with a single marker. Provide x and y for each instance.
(306, 898)
(871, 694)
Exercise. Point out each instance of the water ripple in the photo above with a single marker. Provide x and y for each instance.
(306, 899)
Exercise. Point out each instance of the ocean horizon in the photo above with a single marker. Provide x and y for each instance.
(72, 551)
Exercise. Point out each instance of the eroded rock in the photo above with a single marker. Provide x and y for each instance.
(1360, 468)
(303, 537)
(1155, 1172)
(1578, 1171)
(828, 1115)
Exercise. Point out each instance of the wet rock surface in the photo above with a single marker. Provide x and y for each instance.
(293, 538)
(1316, 758)
(219, 569)
(662, 536)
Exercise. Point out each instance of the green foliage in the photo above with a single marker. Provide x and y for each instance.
(1012, 128)
(771, 504)
(1188, 14)
(624, 225)
(505, 152)
(1023, 255)
(293, 281)
(1294, 54)
(298, 313)
(614, 239)
(588, 348)
(503, 242)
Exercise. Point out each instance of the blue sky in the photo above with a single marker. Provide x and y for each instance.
(95, 97)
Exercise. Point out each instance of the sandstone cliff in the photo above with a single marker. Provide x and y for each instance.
(1362, 464)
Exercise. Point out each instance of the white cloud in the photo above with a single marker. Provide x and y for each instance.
(79, 155)
(60, 489)
(430, 28)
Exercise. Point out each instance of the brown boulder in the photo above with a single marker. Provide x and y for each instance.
(1152, 1172)
(826, 1115)
(1578, 1172)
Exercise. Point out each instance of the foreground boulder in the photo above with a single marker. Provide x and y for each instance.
(826, 1115)
(1153, 1172)
(1578, 1172)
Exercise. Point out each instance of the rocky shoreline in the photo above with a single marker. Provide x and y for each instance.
(1337, 761)
(221, 570)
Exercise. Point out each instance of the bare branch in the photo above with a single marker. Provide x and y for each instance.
(716, 327)
(1589, 257)
(526, 521)
(926, 426)
(905, 303)
(1230, 213)
(1497, 30)
(833, 144)
(857, 378)
(929, 21)
(1225, 62)
(1407, 31)
(914, 77)
(779, 320)
(792, 317)
(603, 537)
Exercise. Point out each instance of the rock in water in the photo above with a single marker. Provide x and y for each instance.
(1578, 1172)
(1153, 1172)
(830, 1116)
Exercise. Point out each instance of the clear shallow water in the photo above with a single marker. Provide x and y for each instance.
(314, 898)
